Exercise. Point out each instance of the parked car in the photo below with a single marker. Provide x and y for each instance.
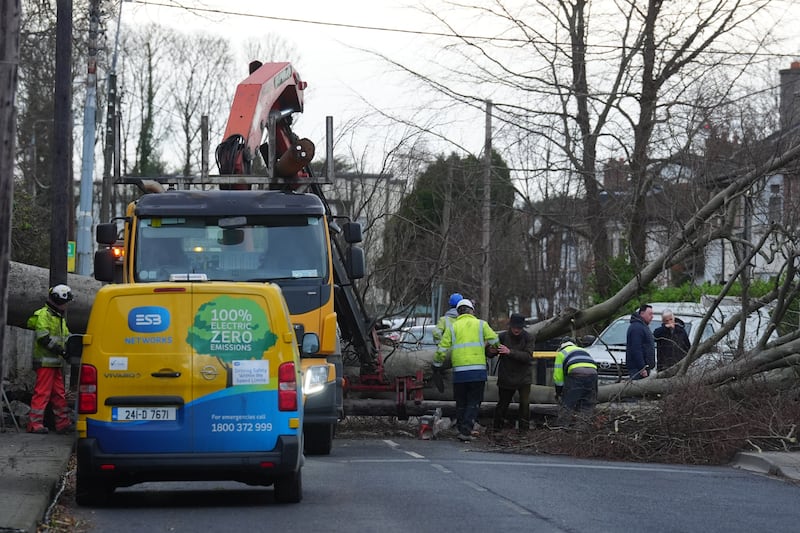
(417, 338)
(608, 349)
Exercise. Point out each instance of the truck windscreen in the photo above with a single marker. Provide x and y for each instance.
(240, 248)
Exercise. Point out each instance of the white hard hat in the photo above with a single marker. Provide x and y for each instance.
(465, 303)
(61, 294)
(565, 344)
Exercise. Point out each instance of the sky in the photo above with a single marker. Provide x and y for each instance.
(343, 81)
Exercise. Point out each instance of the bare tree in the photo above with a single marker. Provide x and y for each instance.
(577, 82)
(145, 118)
(580, 80)
(199, 85)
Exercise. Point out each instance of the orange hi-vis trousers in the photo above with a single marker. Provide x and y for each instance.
(49, 388)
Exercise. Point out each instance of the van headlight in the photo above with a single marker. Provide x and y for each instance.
(315, 380)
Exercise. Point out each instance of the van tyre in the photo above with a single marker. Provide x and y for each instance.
(289, 488)
(91, 492)
(318, 438)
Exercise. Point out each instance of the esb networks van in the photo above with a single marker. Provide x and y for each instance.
(189, 381)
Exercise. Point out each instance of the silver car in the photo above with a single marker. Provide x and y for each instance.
(608, 349)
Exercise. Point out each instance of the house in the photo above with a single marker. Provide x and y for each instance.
(562, 260)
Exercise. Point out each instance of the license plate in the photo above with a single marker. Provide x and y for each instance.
(143, 413)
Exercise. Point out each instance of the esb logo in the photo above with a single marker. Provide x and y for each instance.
(148, 319)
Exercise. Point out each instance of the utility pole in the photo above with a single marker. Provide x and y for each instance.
(84, 244)
(448, 200)
(109, 149)
(62, 146)
(9, 68)
(486, 214)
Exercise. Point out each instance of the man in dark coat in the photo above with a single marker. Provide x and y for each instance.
(672, 341)
(640, 348)
(514, 373)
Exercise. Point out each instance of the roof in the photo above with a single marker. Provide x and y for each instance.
(222, 203)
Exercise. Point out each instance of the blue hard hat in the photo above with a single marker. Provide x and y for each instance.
(455, 298)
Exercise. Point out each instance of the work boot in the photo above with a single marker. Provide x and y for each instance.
(465, 438)
(41, 430)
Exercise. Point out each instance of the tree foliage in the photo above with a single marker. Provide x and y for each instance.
(434, 238)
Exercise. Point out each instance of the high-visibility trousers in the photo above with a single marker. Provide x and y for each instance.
(49, 388)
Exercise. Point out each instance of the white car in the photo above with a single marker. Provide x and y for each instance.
(608, 349)
(417, 338)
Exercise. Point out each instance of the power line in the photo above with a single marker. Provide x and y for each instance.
(406, 31)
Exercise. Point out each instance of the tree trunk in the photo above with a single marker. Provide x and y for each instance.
(374, 407)
(27, 292)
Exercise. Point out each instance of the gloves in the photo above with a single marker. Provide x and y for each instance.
(438, 378)
(56, 348)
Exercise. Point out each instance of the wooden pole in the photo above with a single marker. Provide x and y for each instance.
(486, 216)
(9, 66)
(60, 189)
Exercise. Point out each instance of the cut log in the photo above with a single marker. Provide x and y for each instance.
(27, 292)
(375, 407)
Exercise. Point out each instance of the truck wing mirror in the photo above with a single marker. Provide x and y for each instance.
(106, 233)
(352, 232)
(104, 265)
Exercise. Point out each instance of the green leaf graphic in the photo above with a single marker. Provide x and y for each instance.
(230, 329)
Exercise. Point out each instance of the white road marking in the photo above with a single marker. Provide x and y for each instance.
(441, 469)
(590, 467)
(414, 454)
(391, 443)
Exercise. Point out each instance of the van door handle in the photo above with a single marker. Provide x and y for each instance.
(166, 374)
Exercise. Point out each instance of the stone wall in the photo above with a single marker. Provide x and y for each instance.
(16, 352)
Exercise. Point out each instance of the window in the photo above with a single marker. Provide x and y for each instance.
(252, 248)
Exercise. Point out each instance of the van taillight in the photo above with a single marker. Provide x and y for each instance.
(287, 387)
(87, 390)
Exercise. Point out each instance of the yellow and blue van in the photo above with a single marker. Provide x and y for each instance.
(189, 380)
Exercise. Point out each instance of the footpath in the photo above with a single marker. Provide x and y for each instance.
(32, 466)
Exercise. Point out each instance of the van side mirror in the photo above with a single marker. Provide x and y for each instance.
(74, 346)
(310, 345)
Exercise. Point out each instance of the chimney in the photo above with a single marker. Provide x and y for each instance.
(790, 96)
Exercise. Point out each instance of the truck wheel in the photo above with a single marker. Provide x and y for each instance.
(318, 438)
(289, 488)
(90, 491)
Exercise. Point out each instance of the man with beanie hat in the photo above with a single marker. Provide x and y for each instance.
(514, 373)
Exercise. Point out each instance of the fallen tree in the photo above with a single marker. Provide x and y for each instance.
(27, 292)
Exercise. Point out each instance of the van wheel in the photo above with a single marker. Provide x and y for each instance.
(91, 492)
(318, 439)
(289, 488)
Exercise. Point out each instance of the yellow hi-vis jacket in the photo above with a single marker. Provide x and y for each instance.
(466, 341)
(51, 337)
(445, 322)
(570, 357)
